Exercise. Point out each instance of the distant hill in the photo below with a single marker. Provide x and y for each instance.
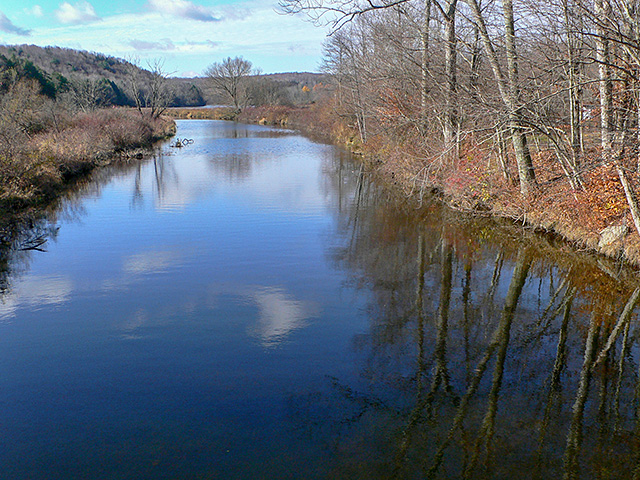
(300, 78)
(59, 68)
(65, 66)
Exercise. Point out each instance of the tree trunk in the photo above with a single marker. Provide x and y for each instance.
(508, 91)
(424, 94)
(604, 76)
(518, 136)
(451, 114)
(574, 91)
(632, 200)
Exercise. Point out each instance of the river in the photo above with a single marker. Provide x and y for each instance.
(253, 306)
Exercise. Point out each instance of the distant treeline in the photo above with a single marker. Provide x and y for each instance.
(93, 80)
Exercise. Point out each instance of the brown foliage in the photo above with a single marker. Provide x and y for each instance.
(33, 167)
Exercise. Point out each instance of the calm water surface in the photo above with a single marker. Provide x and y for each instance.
(251, 306)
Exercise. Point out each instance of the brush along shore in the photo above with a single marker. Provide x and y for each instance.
(37, 165)
(595, 218)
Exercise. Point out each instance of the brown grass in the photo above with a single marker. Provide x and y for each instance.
(45, 162)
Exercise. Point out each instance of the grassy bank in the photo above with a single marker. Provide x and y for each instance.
(36, 164)
(201, 113)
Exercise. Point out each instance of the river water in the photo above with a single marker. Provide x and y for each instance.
(252, 306)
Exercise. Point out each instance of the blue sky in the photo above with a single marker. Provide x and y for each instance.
(188, 34)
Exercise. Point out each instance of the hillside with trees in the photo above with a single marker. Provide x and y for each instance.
(52, 128)
(95, 80)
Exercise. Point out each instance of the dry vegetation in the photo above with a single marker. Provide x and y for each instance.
(527, 110)
(43, 145)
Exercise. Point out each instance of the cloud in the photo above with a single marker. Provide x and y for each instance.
(8, 27)
(183, 8)
(36, 291)
(36, 11)
(81, 12)
(164, 45)
(194, 43)
(280, 314)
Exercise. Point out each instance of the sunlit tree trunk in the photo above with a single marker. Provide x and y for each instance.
(508, 89)
(451, 111)
(424, 87)
(574, 91)
(602, 10)
(518, 136)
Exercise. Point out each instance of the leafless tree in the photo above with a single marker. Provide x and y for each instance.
(229, 78)
(89, 94)
(150, 89)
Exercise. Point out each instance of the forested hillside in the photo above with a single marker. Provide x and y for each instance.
(94, 79)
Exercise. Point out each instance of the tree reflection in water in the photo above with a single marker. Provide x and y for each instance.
(489, 355)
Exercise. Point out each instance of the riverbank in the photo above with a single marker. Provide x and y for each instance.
(596, 218)
(36, 168)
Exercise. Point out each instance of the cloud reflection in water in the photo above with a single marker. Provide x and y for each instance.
(279, 315)
(35, 292)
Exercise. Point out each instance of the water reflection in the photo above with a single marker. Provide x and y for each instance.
(152, 261)
(35, 292)
(257, 294)
(279, 315)
(489, 354)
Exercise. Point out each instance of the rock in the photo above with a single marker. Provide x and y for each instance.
(612, 234)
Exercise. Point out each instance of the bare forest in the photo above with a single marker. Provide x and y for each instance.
(527, 109)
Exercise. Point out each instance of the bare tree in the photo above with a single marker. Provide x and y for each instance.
(90, 93)
(337, 13)
(149, 89)
(159, 92)
(228, 78)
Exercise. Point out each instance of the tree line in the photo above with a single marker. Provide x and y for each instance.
(93, 80)
(560, 77)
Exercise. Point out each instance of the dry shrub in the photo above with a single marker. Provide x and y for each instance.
(604, 196)
(73, 150)
(266, 115)
(123, 128)
(35, 168)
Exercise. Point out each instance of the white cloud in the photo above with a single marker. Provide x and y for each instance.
(262, 37)
(81, 12)
(36, 11)
(7, 26)
(183, 8)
